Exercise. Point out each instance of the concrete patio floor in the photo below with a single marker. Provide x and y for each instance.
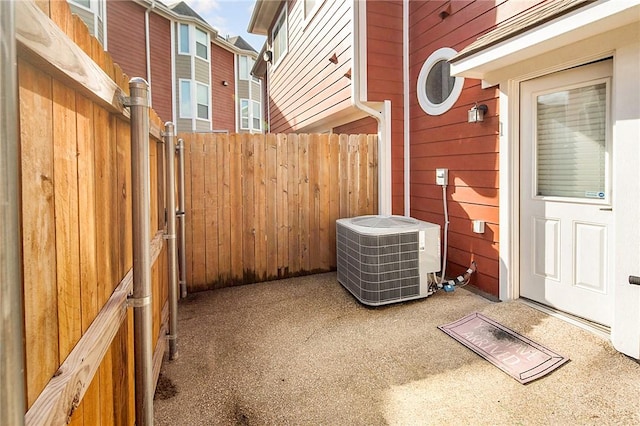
(303, 351)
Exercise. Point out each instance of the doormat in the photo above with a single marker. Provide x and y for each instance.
(521, 358)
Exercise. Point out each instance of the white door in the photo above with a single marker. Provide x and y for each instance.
(566, 233)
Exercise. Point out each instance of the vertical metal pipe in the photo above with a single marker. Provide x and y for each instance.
(181, 216)
(170, 197)
(12, 391)
(141, 298)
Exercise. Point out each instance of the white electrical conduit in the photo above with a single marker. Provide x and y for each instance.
(446, 233)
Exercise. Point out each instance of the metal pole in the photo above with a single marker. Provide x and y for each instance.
(181, 215)
(170, 188)
(12, 390)
(141, 298)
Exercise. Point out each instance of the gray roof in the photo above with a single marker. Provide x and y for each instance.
(183, 9)
(532, 18)
(241, 43)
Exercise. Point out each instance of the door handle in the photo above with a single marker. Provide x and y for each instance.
(634, 280)
(606, 209)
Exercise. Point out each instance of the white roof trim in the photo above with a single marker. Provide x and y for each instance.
(585, 22)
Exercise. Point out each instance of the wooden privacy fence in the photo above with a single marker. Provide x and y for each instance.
(75, 163)
(261, 207)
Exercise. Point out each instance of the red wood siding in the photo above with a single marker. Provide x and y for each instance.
(367, 125)
(223, 98)
(469, 151)
(160, 44)
(385, 81)
(305, 86)
(126, 38)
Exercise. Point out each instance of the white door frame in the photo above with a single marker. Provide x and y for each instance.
(510, 173)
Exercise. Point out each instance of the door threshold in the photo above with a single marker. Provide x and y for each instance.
(595, 328)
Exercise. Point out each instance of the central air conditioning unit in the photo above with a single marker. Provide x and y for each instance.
(387, 259)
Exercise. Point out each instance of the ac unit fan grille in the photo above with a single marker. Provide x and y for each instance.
(378, 268)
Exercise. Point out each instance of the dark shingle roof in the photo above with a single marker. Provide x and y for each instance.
(241, 43)
(182, 8)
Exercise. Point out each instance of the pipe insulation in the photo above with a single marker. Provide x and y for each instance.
(12, 390)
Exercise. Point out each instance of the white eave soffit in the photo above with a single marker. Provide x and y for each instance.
(588, 21)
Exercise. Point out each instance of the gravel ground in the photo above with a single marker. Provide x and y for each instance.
(303, 351)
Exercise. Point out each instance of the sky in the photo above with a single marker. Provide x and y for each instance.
(229, 17)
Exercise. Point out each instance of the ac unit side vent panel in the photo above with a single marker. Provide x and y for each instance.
(386, 259)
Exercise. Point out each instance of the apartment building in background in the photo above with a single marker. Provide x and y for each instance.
(195, 74)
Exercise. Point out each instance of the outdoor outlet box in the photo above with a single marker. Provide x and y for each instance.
(442, 176)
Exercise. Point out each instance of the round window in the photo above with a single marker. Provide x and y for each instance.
(437, 89)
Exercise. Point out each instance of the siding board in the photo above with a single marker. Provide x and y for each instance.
(306, 65)
(470, 152)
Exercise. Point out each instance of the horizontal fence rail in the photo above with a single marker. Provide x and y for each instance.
(262, 207)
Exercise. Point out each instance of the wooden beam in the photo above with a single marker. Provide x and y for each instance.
(42, 42)
(62, 395)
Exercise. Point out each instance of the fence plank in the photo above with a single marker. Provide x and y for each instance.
(65, 177)
(211, 209)
(271, 212)
(282, 206)
(303, 207)
(293, 203)
(334, 196)
(248, 218)
(107, 228)
(259, 150)
(90, 407)
(314, 203)
(188, 177)
(235, 202)
(224, 213)
(38, 229)
(372, 141)
(344, 176)
(363, 161)
(326, 259)
(197, 212)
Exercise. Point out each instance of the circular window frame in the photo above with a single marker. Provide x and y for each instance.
(442, 54)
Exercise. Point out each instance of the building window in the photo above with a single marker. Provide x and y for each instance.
(279, 36)
(246, 64)
(437, 89)
(95, 6)
(244, 114)
(256, 116)
(185, 99)
(202, 44)
(184, 42)
(202, 97)
(192, 40)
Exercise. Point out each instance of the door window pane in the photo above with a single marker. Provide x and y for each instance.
(571, 142)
